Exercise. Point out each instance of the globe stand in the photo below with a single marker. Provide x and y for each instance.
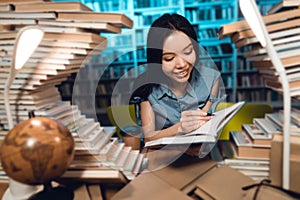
(18, 191)
(57, 193)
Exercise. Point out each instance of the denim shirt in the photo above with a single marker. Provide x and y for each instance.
(167, 107)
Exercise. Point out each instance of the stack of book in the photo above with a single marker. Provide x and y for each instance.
(284, 31)
(284, 5)
(282, 23)
(72, 36)
(249, 157)
(256, 169)
(100, 157)
(278, 119)
(249, 149)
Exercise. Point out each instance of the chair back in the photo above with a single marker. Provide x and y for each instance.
(121, 116)
(244, 116)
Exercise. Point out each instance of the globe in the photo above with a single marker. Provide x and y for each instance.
(37, 151)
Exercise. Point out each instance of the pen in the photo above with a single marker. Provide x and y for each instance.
(210, 114)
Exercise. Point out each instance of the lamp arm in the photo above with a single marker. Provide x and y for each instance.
(7, 108)
(286, 96)
(286, 102)
(8, 83)
(286, 113)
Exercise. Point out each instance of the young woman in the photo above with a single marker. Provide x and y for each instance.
(175, 94)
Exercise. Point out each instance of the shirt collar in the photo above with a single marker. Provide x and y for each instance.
(163, 91)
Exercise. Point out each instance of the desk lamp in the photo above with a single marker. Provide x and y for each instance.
(255, 21)
(27, 40)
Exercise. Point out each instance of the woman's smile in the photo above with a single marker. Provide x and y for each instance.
(182, 74)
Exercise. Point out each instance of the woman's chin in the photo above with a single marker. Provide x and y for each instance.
(182, 79)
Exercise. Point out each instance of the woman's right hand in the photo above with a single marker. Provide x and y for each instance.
(191, 120)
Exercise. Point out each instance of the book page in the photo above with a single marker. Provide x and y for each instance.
(218, 121)
(206, 133)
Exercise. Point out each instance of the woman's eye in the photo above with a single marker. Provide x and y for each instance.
(168, 59)
(189, 51)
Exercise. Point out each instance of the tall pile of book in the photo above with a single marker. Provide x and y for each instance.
(255, 140)
(284, 31)
(250, 149)
(72, 36)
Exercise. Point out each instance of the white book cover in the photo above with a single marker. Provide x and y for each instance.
(130, 162)
(241, 139)
(119, 163)
(176, 140)
(255, 132)
(138, 164)
(267, 126)
(117, 149)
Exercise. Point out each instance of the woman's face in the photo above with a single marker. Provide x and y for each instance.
(178, 57)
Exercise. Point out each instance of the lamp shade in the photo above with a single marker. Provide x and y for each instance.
(28, 38)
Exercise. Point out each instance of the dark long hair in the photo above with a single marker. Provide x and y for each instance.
(160, 29)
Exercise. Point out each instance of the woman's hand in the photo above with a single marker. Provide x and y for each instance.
(191, 120)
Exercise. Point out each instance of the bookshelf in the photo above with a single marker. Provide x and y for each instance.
(249, 85)
(207, 17)
(126, 54)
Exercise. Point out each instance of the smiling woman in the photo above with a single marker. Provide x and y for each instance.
(175, 93)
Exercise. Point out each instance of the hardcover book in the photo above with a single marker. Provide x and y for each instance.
(267, 126)
(119, 20)
(284, 5)
(52, 6)
(257, 135)
(96, 175)
(244, 147)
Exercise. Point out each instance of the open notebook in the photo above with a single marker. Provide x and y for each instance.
(207, 133)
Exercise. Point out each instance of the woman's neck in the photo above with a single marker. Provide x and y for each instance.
(178, 89)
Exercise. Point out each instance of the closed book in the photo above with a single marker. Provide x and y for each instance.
(117, 19)
(284, 5)
(177, 140)
(51, 6)
(278, 119)
(277, 84)
(101, 26)
(95, 175)
(79, 37)
(257, 136)
(231, 28)
(26, 15)
(23, 1)
(286, 62)
(244, 147)
(95, 154)
(267, 126)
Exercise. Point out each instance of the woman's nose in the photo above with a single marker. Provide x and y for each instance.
(180, 62)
